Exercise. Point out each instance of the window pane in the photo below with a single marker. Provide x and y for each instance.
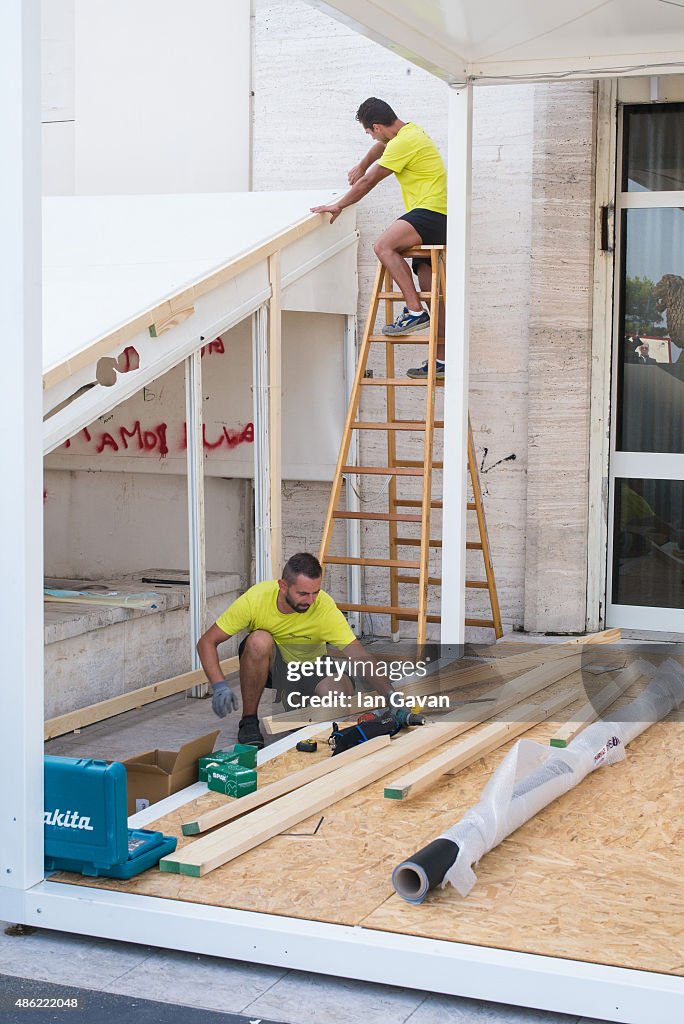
(650, 414)
(653, 158)
(648, 543)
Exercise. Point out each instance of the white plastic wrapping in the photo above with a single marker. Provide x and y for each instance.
(532, 775)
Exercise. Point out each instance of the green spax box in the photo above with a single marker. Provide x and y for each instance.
(231, 779)
(242, 754)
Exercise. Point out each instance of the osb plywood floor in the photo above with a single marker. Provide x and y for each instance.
(596, 876)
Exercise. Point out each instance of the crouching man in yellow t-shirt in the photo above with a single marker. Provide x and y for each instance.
(406, 150)
(290, 620)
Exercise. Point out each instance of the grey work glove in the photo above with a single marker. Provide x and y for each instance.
(223, 700)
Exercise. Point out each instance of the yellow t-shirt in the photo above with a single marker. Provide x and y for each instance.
(419, 168)
(300, 636)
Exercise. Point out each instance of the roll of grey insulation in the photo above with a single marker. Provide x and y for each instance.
(414, 878)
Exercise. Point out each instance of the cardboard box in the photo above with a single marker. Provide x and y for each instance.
(158, 773)
(241, 753)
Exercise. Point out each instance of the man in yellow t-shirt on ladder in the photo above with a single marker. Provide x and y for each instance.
(406, 150)
(290, 622)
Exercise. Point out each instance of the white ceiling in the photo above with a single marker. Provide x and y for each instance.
(523, 39)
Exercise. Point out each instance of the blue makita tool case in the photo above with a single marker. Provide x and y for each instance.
(85, 822)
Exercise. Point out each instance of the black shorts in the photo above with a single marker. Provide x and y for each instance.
(432, 228)
(277, 676)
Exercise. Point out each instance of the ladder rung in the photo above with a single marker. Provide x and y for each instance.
(378, 609)
(388, 563)
(415, 542)
(383, 470)
(398, 297)
(477, 584)
(416, 503)
(414, 615)
(422, 250)
(397, 382)
(473, 545)
(433, 581)
(383, 517)
(418, 462)
(485, 623)
(471, 506)
(382, 609)
(395, 425)
(401, 339)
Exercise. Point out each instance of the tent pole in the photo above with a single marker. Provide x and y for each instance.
(21, 513)
(457, 348)
(196, 536)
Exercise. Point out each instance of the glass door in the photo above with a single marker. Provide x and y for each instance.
(646, 505)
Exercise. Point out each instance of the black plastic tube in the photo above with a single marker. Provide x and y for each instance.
(415, 877)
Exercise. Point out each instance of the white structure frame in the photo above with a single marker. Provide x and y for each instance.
(551, 983)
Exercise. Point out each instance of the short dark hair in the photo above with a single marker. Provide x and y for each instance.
(302, 564)
(374, 111)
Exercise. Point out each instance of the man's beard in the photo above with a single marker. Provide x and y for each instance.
(301, 608)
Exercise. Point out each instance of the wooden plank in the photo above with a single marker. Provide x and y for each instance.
(275, 412)
(475, 745)
(167, 323)
(236, 808)
(236, 838)
(606, 636)
(230, 841)
(129, 701)
(590, 711)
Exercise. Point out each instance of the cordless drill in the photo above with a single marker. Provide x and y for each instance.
(371, 724)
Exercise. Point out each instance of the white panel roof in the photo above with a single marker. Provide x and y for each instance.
(109, 259)
(523, 39)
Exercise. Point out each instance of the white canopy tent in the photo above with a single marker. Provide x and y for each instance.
(460, 41)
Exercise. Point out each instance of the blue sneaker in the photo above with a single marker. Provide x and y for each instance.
(407, 323)
(421, 372)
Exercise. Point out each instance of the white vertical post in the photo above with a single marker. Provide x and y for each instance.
(601, 337)
(196, 537)
(21, 511)
(262, 480)
(457, 352)
(352, 484)
(275, 392)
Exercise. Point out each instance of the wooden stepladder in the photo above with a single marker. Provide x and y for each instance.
(401, 509)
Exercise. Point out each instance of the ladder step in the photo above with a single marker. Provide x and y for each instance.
(415, 542)
(416, 503)
(471, 506)
(401, 339)
(433, 581)
(473, 545)
(396, 425)
(383, 517)
(383, 470)
(378, 609)
(418, 462)
(477, 584)
(388, 563)
(485, 623)
(382, 609)
(398, 297)
(396, 382)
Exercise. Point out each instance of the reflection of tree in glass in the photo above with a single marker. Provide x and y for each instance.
(641, 312)
(669, 300)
